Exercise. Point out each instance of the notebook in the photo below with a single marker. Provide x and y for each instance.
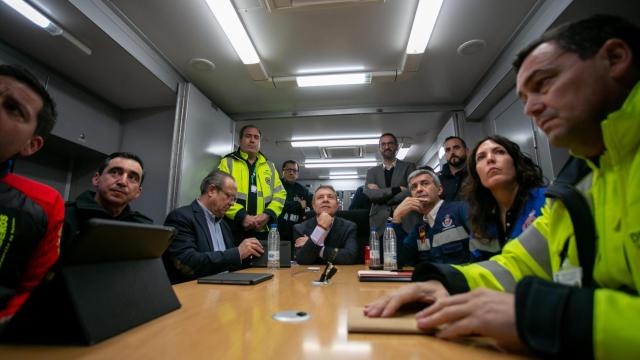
(235, 278)
(285, 255)
(403, 323)
(384, 276)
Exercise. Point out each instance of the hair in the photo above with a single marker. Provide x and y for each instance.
(124, 155)
(455, 137)
(586, 37)
(395, 139)
(324, 187)
(416, 173)
(47, 115)
(215, 178)
(284, 164)
(482, 204)
(242, 130)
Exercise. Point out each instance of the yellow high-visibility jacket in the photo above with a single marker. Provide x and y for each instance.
(271, 195)
(552, 319)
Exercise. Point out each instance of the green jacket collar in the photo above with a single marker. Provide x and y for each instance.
(241, 155)
(620, 132)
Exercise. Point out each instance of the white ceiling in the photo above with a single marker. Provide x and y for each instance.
(372, 35)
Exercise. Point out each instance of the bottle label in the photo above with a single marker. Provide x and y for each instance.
(274, 255)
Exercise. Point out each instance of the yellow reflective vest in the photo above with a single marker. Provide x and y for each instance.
(613, 192)
(271, 195)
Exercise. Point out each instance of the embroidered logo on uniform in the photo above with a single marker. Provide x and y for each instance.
(447, 222)
(529, 220)
(423, 244)
(267, 179)
(4, 221)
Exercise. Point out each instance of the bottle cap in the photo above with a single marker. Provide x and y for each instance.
(274, 226)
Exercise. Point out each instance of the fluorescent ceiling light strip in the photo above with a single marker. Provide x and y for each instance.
(339, 165)
(423, 24)
(228, 19)
(402, 153)
(297, 138)
(343, 173)
(29, 12)
(334, 79)
(335, 142)
(339, 177)
(331, 70)
(324, 161)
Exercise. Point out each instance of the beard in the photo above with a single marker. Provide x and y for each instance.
(457, 161)
(388, 154)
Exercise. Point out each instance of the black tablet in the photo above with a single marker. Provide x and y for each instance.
(235, 278)
(110, 240)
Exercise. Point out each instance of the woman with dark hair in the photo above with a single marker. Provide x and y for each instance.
(505, 191)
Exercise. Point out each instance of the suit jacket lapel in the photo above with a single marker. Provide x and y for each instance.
(201, 221)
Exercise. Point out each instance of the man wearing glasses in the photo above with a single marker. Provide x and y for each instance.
(117, 182)
(297, 203)
(204, 243)
(386, 185)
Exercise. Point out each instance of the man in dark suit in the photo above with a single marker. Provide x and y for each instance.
(386, 185)
(204, 243)
(325, 237)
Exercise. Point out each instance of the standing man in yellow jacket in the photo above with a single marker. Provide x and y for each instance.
(559, 294)
(260, 196)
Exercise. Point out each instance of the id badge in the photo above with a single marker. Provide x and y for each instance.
(568, 275)
(254, 189)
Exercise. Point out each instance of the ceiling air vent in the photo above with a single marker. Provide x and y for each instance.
(339, 152)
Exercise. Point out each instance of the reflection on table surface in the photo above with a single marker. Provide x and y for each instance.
(235, 322)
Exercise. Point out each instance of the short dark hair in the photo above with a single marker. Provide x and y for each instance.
(455, 137)
(325, 187)
(482, 205)
(395, 139)
(47, 115)
(124, 155)
(215, 178)
(585, 37)
(284, 164)
(242, 130)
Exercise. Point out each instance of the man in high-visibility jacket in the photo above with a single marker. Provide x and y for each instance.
(260, 196)
(581, 85)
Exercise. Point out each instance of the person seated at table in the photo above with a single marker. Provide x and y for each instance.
(204, 243)
(117, 182)
(442, 236)
(505, 191)
(325, 237)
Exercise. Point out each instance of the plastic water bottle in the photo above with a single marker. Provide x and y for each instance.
(273, 251)
(389, 243)
(374, 251)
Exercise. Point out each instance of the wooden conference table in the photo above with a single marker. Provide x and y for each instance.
(234, 322)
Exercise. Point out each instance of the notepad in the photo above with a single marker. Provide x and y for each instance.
(404, 323)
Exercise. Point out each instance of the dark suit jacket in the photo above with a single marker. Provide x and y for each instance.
(383, 199)
(341, 238)
(190, 255)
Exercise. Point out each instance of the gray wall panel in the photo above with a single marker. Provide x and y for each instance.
(148, 134)
(81, 113)
(208, 135)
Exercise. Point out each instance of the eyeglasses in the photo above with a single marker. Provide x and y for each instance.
(231, 197)
(291, 170)
(388, 144)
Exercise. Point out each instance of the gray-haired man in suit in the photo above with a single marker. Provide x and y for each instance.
(386, 185)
